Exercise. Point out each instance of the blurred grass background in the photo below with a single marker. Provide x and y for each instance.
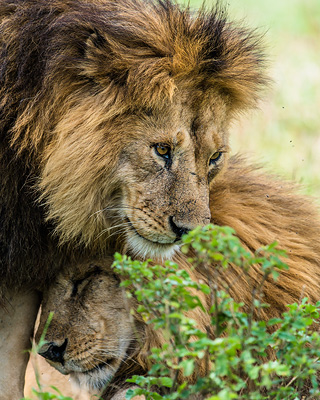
(284, 134)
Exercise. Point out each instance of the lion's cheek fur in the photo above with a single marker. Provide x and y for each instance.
(79, 181)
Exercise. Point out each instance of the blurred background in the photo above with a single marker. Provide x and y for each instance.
(284, 133)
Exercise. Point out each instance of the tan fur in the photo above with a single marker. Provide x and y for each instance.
(261, 209)
(92, 315)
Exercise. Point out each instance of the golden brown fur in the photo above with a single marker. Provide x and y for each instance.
(261, 209)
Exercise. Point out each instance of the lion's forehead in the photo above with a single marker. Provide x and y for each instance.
(186, 120)
(95, 288)
(98, 311)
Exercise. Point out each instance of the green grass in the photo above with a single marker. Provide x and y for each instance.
(284, 134)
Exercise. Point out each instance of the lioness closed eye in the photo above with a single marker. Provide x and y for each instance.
(92, 332)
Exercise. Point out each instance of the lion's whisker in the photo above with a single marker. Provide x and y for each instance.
(124, 227)
(117, 209)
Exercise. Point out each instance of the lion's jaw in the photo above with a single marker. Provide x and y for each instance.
(97, 371)
(97, 378)
(140, 246)
(93, 381)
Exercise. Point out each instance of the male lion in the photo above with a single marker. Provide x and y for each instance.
(114, 128)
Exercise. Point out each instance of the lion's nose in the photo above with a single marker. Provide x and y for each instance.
(178, 230)
(53, 352)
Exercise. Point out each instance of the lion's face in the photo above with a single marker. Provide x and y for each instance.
(167, 165)
(139, 96)
(91, 330)
(123, 118)
(146, 175)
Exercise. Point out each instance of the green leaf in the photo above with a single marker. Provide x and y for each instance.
(188, 367)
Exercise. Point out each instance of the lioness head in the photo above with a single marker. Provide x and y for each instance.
(129, 117)
(92, 331)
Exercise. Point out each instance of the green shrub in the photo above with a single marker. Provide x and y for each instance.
(236, 354)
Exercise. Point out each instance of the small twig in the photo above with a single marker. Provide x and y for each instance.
(175, 378)
(297, 376)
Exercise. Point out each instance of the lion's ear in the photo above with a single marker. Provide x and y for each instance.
(125, 59)
(233, 60)
(99, 63)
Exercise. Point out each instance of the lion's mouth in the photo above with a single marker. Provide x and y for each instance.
(108, 363)
(132, 227)
(146, 247)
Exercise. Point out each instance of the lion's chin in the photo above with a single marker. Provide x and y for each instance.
(144, 248)
(94, 381)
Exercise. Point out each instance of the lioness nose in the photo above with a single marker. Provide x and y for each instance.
(178, 230)
(53, 352)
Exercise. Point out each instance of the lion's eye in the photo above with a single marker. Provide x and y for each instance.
(162, 150)
(215, 157)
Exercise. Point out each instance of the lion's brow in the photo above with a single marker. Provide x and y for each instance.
(90, 274)
(194, 126)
